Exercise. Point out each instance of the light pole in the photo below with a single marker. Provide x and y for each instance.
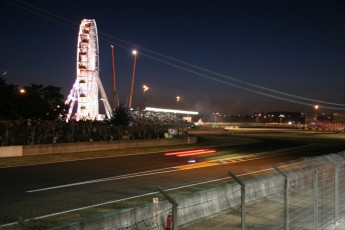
(113, 73)
(134, 52)
(257, 117)
(281, 116)
(178, 99)
(215, 119)
(316, 107)
(145, 88)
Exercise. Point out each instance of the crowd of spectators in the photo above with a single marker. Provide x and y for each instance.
(27, 132)
(148, 117)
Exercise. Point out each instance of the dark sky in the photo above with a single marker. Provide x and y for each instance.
(293, 47)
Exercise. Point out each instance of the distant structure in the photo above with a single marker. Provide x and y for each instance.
(87, 86)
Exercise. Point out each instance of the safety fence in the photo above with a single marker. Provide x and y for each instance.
(304, 194)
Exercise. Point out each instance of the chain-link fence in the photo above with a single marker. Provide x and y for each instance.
(312, 190)
(199, 206)
(304, 194)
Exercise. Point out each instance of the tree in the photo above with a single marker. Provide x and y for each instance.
(35, 102)
(8, 99)
(45, 102)
(120, 117)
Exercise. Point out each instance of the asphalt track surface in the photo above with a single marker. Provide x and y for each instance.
(38, 190)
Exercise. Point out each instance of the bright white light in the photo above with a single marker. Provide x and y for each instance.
(145, 88)
(134, 52)
(171, 111)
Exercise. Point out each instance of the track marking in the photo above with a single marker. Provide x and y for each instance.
(196, 165)
(146, 173)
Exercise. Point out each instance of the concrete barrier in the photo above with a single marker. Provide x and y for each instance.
(11, 151)
(41, 149)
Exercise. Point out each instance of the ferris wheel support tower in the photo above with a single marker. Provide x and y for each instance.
(88, 85)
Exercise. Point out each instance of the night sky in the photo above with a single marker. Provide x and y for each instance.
(293, 47)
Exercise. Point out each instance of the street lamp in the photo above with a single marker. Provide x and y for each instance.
(178, 98)
(113, 75)
(215, 119)
(22, 91)
(257, 117)
(316, 107)
(281, 116)
(145, 88)
(134, 52)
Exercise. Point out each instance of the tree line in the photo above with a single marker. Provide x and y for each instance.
(33, 101)
(42, 102)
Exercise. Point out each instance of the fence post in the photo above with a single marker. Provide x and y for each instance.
(315, 185)
(336, 188)
(243, 200)
(315, 192)
(286, 198)
(174, 207)
(21, 223)
(336, 193)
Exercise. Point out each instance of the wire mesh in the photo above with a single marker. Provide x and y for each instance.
(326, 194)
(340, 161)
(264, 202)
(222, 202)
(150, 216)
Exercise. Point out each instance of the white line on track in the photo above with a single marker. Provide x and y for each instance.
(146, 173)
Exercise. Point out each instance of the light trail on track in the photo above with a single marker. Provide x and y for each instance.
(175, 169)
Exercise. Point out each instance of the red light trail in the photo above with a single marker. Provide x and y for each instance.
(190, 152)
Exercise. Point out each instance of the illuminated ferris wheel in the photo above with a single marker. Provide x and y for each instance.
(87, 86)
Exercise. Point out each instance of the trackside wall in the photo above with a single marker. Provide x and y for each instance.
(41, 149)
(11, 151)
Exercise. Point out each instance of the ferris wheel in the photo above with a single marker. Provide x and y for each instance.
(88, 85)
